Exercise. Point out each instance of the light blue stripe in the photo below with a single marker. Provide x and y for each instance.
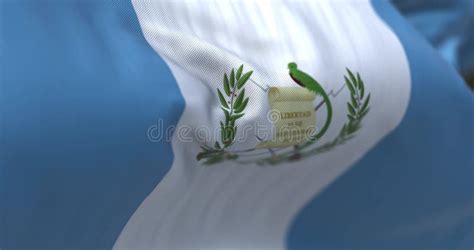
(80, 87)
(414, 190)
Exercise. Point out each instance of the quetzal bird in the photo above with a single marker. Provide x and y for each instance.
(306, 81)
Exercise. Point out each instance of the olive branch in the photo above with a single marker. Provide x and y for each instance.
(357, 108)
(233, 104)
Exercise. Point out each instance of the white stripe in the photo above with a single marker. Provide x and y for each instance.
(249, 206)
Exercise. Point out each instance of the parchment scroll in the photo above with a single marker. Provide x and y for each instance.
(292, 114)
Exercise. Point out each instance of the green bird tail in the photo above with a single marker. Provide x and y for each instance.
(312, 85)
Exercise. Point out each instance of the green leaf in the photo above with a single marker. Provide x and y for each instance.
(351, 109)
(239, 99)
(364, 113)
(222, 99)
(222, 133)
(351, 129)
(353, 79)
(235, 117)
(357, 126)
(232, 78)
(226, 85)
(361, 86)
(366, 103)
(244, 79)
(200, 156)
(343, 129)
(214, 159)
(203, 155)
(351, 118)
(227, 114)
(348, 137)
(227, 136)
(222, 130)
(239, 72)
(359, 80)
(234, 132)
(349, 85)
(354, 101)
(243, 106)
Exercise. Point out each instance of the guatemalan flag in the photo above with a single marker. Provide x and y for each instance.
(229, 125)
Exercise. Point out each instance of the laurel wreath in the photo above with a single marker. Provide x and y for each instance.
(233, 104)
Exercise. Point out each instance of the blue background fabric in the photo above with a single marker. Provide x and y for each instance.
(447, 24)
(414, 189)
(80, 86)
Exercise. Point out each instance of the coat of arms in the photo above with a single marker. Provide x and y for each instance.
(293, 114)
